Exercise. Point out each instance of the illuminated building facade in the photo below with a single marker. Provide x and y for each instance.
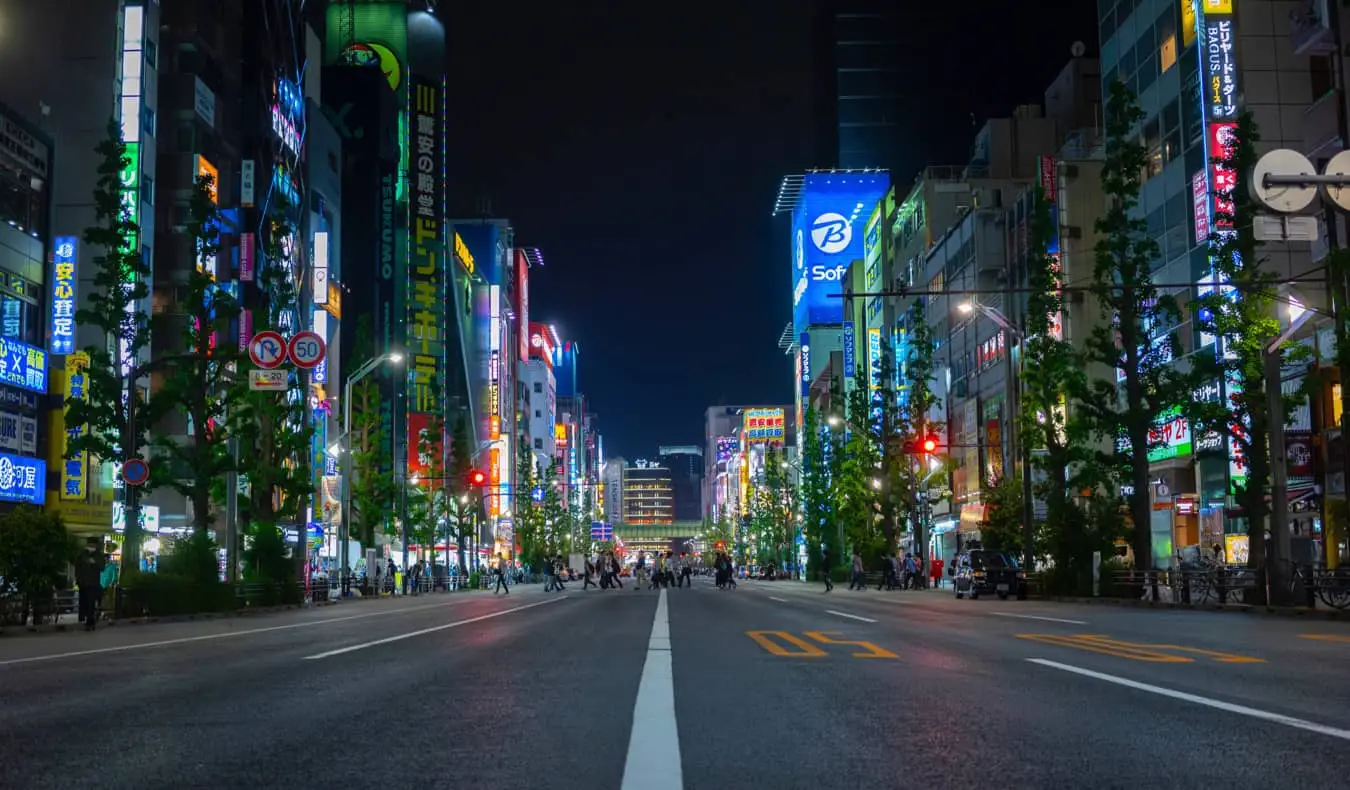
(648, 494)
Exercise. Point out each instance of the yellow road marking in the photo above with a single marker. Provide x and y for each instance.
(807, 649)
(872, 651)
(1326, 637)
(1163, 654)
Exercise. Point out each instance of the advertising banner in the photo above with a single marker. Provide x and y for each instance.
(805, 357)
(827, 235)
(75, 464)
(63, 295)
(764, 425)
(22, 479)
(23, 366)
(850, 352)
(426, 274)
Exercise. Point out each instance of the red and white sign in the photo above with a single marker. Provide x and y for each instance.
(267, 350)
(1222, 144)
(1048, 178)
(306, 350)
(1200, 199)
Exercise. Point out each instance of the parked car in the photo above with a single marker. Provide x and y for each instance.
(982, 572)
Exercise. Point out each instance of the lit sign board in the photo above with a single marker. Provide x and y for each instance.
(1221, 87)
(207, 170)
(763, 425)
(426, 270)
(1217, 6)
(247, 243)
(334, 303)
(63, 296)
(806, 365)
(874, 358)
(206, 261)
(827, 235)
(1172, 437)
(560, 433)
(319, 286)
(23, 366)
(494, 384)
(463, 255)
(1222, 140)
(1200, 201)
(284, 129)
(130, 178)
(726, 447)
(1188, 22)
(74, 463)
(850, 354)
(319, 373)
(23, 479)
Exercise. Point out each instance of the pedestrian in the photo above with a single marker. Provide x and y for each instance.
(589, 571)
(640, 575)
(500, 572)
(89, 577)
(686, 572)
(857, 583)
(826, 567)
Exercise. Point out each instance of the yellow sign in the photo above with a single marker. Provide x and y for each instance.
(334, 304)
(1217, 6)
(560, 433)
(205, 168)
(74, 464)
(1188, 23)
(463, 255)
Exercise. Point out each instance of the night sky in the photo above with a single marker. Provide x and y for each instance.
(640, 147)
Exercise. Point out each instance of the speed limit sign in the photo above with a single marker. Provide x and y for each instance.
(306, 349)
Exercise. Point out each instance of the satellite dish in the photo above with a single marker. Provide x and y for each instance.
(1078, 49)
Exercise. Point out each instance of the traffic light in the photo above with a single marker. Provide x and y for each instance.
(477, 477)
(721, 545)
(929, 444)
(924, 445)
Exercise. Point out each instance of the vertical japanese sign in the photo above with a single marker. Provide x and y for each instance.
(63, 296)
(247, 243)
(806, 365)
(319, 276)
(850, 351)
(75, 466)
(426, 302)
(874, 358)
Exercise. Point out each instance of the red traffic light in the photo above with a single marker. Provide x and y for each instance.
(929, 444)
(477, 477)
(720, 545)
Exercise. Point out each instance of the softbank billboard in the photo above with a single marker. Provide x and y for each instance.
(827, 234)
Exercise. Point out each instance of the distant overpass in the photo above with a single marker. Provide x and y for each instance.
(676, 537)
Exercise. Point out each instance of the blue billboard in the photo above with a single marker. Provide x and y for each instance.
(827, 235)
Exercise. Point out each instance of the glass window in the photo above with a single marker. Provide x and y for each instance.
(1167, 54)
(150, 53)
(1128, 61)
(148, 190)
(1148, 72)
(1171, 116)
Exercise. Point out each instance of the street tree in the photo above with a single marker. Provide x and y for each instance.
(528, 518)
(817, 492)
(1051, 376)
(1242, 314)
(1001, 527)
(271, 430)
(465, 499)
(917, 475)
(114, 308)
(553, 512)
(859, 475)
(196, 385)
(35, 552)
(429, 499)
(373, 490)
(1136, 338)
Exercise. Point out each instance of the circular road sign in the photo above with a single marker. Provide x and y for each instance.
(267, 350)
(306, 349)
(135, 472)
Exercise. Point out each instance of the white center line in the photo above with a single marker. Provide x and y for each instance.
(1243, 710)
(654, 747)
(224, 635)
(1038, 617)
(376, 643)
(776, 598)
(850, 616)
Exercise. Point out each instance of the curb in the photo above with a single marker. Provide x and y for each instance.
(1271, 611)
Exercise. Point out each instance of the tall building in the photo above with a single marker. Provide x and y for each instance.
(1195, 68)
(542, 393)
(732, 434)
(648, 494)
(686, 475)
(859, 117)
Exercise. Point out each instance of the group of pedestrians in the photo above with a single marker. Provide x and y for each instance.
(725, 571)
(897, 573)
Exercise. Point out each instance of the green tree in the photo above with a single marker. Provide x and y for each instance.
(114, 307)
(197, 384)
(817, 492)
(915, 476)
(1137, 336)
(1001, 527)
(373, 490)
(553, 511)
(1243, 316)
(430, 498)
(272, 430)
(35, 551)
(528, 515)
(1051, 376)
(465, 500)
(859, 474)
(714, 533)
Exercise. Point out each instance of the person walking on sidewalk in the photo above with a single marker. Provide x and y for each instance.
(89, 575)
(826, 567)
(589, 572)
(500, 572)
(640, 574)
(686, 572)
(858, 582)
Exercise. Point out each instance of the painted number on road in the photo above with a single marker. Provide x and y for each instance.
(869, 650)
(782, 643)
(1157, 654)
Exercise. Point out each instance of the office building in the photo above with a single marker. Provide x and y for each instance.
(686, 474)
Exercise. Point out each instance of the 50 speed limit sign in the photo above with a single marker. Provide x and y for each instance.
(306, 350)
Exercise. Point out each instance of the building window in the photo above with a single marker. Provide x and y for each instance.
(538, 444)
(1167, 55)
(150, 54)
(148, 190)
(537, 413)
(1320, 76)
(538, 386)
(147, 121)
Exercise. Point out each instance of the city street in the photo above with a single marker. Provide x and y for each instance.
(773, 685)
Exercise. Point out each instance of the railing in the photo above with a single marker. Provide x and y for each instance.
(1217, 584)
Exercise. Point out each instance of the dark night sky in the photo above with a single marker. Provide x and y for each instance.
(640, 147)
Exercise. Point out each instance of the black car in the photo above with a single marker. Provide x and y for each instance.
(982, 572)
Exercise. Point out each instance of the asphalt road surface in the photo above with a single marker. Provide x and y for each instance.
(771, 686)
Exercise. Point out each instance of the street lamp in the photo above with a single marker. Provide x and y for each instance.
(345, 532)
(1015, 408)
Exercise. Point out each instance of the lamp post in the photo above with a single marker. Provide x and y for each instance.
(345, 532)
(1021, 446)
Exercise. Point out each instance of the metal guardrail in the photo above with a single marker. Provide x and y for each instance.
(1216, 584)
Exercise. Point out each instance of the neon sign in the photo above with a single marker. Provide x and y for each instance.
(63, 296)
